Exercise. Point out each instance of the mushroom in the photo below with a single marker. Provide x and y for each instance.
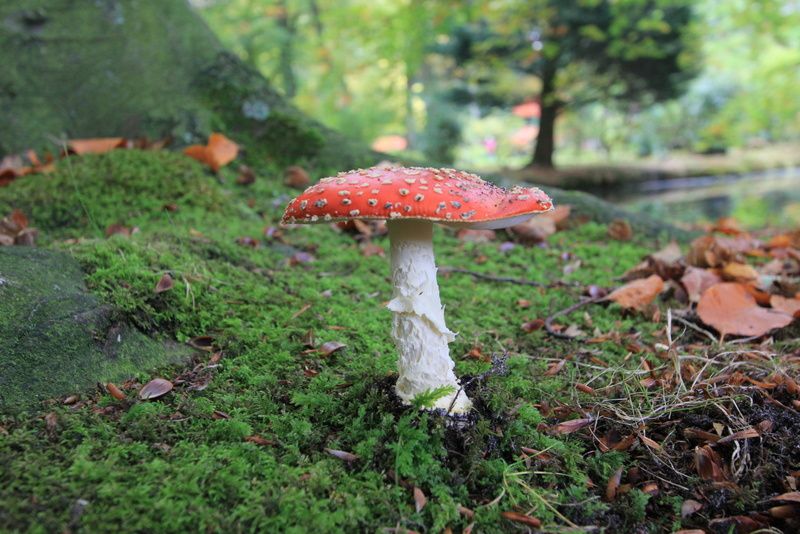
(411, 199)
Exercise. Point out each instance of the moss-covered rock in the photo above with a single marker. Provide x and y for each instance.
(58, 338)
(87, 194)
(145, 68)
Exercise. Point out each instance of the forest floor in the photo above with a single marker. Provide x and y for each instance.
(673, 165)
(285, 419)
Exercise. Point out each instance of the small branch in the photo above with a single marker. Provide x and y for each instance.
(548, 323)
(509, 280)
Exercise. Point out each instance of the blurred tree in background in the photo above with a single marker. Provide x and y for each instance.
(615, 74)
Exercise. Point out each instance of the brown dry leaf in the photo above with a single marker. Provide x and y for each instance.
(739, 272)
(342, 455)
(246, 176)
(329, 347)
(731, 309)
(785, 511)
(156, 388)
(51, 422)
(620, 229)
(727, 225)
(468, 235)
(164, 284)
(99, 145)
(296, 177)
(747, 433)
(523, 519)
(372, 249)
(712, 251)
(696, 281)
(420, 500)
(740, 524)
(638, 293)
(559, 215)
(613, 485)
(573, 425)
(259, 440)
(690, 531)
(118, 229)
(584, 388)
(792, 496)
(689, 507)
(532, 326)
(534, 230)
(114, 391)
(649, 442)
(786, 305)
(554, 368)
(709, 464)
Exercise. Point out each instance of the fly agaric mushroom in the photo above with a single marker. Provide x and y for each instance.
(411, 200)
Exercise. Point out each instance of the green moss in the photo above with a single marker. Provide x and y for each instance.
(128, 187)
(184, 463)
(56, 337)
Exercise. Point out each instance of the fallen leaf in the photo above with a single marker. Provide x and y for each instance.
(469, 235)
(554, 368)
(296, 177)
(156, 388)
(792, 496)
(99, 145)
(114, 391)
(584, 388)
(613, 485)
(342, 455)
(709, 464)
(785, 511)
(739, 524)
(730, 309)
(419, 499)
(259, 440)
(620, 229)
(573, 425)
(638, 293)
(218, 152)
(689, 507)
(534, 230)
(739, 272)
(329, 347)
(696, 281)
(786, 305)
(301, 257)
(164, 284)
(727, 225)
(524, 519)
(246, 176)
(51, 422)
(532, 326)
(747, 433)
(372, 249)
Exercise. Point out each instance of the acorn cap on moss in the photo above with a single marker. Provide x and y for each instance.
(445, 196)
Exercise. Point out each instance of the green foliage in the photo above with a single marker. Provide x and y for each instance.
(428, 398)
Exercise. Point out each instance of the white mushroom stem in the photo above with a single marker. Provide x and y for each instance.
(418, 326)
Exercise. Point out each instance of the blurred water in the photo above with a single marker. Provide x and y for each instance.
(770, 198)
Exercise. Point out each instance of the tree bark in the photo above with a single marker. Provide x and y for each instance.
(545, 141)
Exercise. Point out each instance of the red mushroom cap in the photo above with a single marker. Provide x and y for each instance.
(439, 195)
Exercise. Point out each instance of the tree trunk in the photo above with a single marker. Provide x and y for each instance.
(545, 141)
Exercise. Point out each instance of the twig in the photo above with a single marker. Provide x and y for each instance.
(548, 323)
(505, 279)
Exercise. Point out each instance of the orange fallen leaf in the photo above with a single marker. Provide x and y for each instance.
(696, 281)
(218, 152)
(786, 305)
(98, 145)
(521, 518)
(573, 425)
(620, 229)
(114, 391)
(638, 293)
(420, 500)
(731, 309)
(296, 177)
(739, 272)
(709, 464)
(613, 485)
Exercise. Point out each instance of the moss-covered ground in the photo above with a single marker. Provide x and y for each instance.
(240, 444)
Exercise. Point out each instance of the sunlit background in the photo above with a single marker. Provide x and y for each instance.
(651, 88)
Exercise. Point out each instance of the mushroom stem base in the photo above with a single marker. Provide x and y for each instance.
(418, 325)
